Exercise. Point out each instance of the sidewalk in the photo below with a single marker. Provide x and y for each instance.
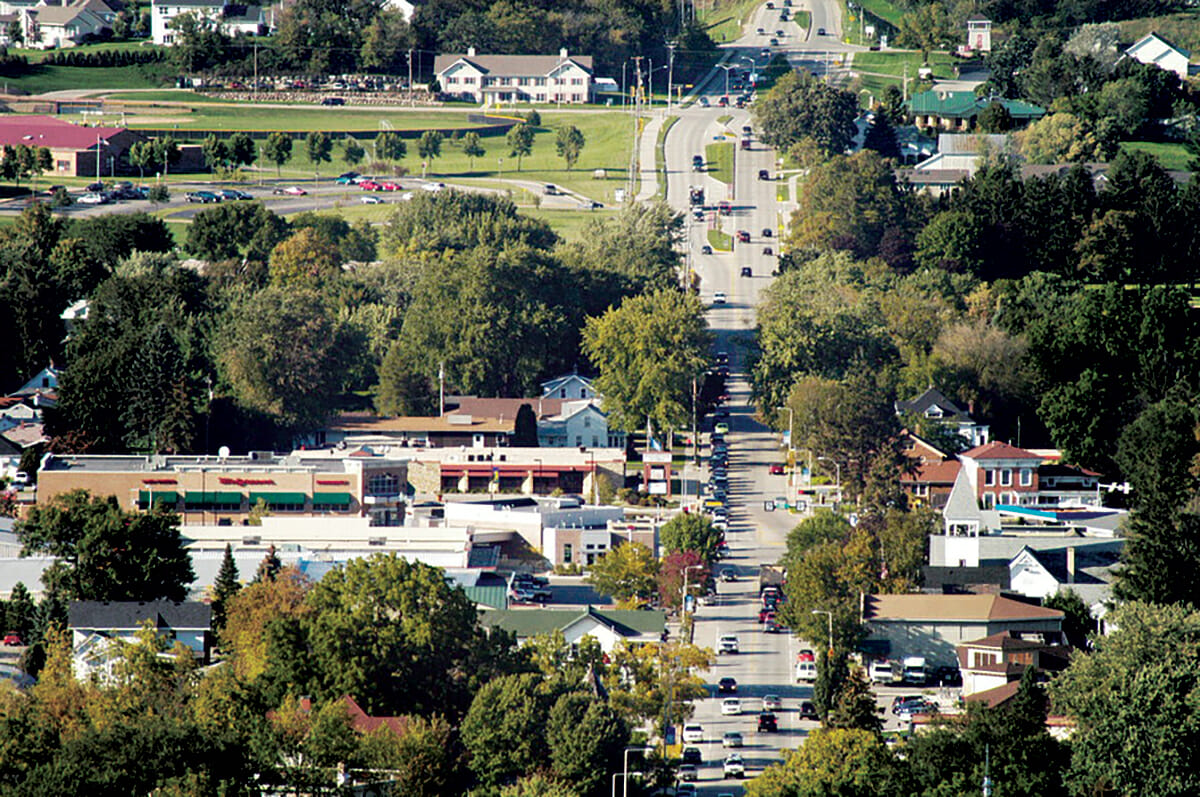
(648, 158)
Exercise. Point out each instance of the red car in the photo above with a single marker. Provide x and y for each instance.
(766, 614)
(743, 236)
(369, 185)
(389, 187)
(776, 469)
(293, 190)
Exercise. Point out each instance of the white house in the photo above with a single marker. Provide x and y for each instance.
(934, 406)
(44, 381)
(230, 18)
(1154, 49)
(97, 626)
(606, 626)
(569, 387)
(516, 78)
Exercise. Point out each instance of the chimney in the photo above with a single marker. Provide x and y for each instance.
(562, 53)
(1071, 565)
(470, 52)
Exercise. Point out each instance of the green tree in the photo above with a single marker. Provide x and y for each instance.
(525, 427)
(538, 785)
(681, 573)
(224, 589)
(568, 142)
(283, 354)
(21, 613)
(1158, 563)
(855, 706)
(848, 202)
(800, 106)
(505, 729)
(216, 154)
(241, 149)
(1156, 452)
(305, 258)
(404, 386)
(278, 149)
(385, 41)
(586, 739)
(141, 155)
(166, 152)
(691, 531)
(1151, 658)
(425, 760)
(995, 118)
(1078, 623)
(855, 763)
(472, 147)
(927, 28)
(520, 142)
(352, 152)
(396, 635)
(390, 146)
(650, 352)
(105, 554)
(429, 146)
(625, 573)
(1061, 138)
(319, 148)
(235, 230)
(881, 137)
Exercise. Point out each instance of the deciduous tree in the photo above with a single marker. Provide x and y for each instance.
(278, 149)
(801, 106)
(625, 573)
(520, 142)
(568, 142)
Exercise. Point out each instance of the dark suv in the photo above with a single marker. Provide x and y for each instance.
(767, 722)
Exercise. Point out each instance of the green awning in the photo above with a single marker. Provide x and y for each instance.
(279, 499)
(157, 497)
(332, 499)
(209, 497)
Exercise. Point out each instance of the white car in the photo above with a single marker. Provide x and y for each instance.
(693, 734)
(735, 767)
(728, 574)
(731, 706)
(720, 298)
(372, 200)
(728, 644)
(92, 199)
(433, 186)
(772, 703)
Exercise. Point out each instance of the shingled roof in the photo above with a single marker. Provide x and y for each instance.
(125, 615)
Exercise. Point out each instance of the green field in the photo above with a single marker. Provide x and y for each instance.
(660, 154)
(1170, 156)
(781, 191)
(719, 241)
(251, 116)
(719, 159)
(39, 55)
(163, 95)
(883, 9)
(879, 70)
(37, 79)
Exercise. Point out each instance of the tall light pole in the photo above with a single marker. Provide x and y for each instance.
(727, 67)
(625, 769)
(683, 608)
(791, 428)
(828, 615)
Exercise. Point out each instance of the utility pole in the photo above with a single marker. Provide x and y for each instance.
(671, 67)
(633, 155)
(412, 99)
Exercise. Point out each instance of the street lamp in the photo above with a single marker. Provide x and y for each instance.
(791, 427)
(829, 615)
(837, 465)
(625, 769)
(727, 67)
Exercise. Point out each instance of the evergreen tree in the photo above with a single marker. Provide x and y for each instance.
(525, 427)
(225, 587)
(21, 613)
(881, 136)
(831, 675)
(855, 707)
(269, 567)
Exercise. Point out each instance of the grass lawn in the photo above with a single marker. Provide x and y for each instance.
(781, 191)
(879, 70)
(1170, 155)
(724, 118)
(40, 55)
(608, 141)
(165, 95)
(37, 78)
(250, 116)
(883, 9)
(724, 20)
(660, 149)
(719, 241)
(719, 158)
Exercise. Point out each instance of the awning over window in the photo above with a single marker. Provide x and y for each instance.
(332, 499)
(157, 497)
(209, 497)
(279, 499)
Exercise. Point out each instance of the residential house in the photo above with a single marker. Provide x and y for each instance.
(570, 387)
(230, 18)
(934, 406)
(492, 79)
(97, 629)
(44, 381)
(1002, 658)
(964, 152)
(958, 110)
(1002, 474)
(929, 474)
(606, 626)
(74, 315)
(1154, 49)
(932, 626)
(54, 26)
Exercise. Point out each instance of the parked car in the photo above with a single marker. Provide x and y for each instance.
(368, 185)
(910, 708)
(203, 197)
(727, 686)
(735, 767)
(333, 101)
(347, 178)
(947, 676)
(234, 195)
(95, 199)
(433, 187)
(12, 640)
(732, 739)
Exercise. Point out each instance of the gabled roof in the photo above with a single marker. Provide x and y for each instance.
(933, 399)
(999, 450)
(952, 608)
(1093, 564)
(1005, 640)
(128, 615)
(551, 385)
(512, 65)
(964, 105)
(962, 505)
(526, 623)
(1153, 37)
(364, 723)
(996, 696)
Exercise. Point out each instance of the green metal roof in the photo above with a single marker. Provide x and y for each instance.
(157, 497)
(495, 597)
(279, 498)
(964, 104)
(332, 499)
(531, 622)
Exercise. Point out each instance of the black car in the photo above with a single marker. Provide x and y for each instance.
(726, 686)
(706, 250)
(692, 755)
(808, 711)
(947, 676)
(747, 271)
(767, 723)
(333, 101)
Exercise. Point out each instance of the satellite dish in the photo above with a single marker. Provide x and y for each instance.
(223, 452)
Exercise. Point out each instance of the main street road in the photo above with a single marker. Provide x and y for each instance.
(756, 536)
